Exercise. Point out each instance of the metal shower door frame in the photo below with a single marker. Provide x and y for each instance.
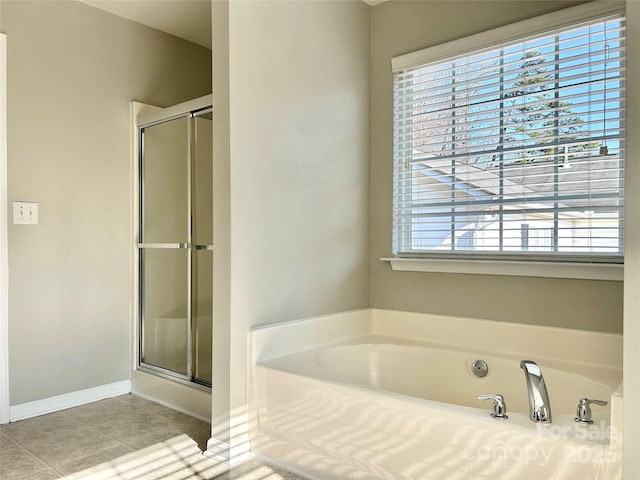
(187, 378)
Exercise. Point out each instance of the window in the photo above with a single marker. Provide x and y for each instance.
(513, 151)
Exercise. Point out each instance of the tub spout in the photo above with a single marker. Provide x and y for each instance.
(539, 407)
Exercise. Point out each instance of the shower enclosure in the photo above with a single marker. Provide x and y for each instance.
(175, 234)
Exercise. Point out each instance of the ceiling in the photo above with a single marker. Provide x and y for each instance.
(188, 19)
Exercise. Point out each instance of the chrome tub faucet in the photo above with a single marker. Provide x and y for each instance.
(539, 407)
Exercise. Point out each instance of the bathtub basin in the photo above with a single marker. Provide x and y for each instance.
(384, 407)
(440, 374)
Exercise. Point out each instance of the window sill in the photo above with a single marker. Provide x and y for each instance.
(583, 271)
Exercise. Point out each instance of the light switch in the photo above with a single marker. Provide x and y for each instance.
(25, 213)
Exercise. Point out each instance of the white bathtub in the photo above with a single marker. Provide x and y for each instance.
(444, 375)
(382, 407)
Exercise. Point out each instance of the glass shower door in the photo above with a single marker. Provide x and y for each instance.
(202, 237)
(175, 235)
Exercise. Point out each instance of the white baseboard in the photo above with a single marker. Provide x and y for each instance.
(67, 400)
(170, 405)
(223, 452)
(217, 450)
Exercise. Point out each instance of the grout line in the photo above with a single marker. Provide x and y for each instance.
(137, 409)
(30, 453)
(64, 413)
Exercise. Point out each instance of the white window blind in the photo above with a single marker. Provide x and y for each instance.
(514, 151)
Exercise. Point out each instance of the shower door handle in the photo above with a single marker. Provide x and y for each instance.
(186, 246)
(164, 245)
(203, 247)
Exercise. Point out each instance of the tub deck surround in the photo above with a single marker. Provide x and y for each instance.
(536, 342)
(393, 396)
(285, 338)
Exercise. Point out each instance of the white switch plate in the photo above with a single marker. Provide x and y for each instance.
(25, 213)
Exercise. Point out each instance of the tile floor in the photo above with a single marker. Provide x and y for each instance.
(124, 438)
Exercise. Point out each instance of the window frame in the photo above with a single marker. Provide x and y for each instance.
(508, 265)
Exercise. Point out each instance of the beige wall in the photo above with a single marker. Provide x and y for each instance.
(73, 70)
(299, 159)
(298, 148)
(399, 27)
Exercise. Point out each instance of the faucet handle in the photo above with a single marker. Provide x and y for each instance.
(583, 411)
(499, 408)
